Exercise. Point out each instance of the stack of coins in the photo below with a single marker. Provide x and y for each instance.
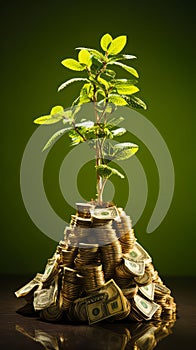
(87, 255)
(123, 278)
(111, 256)
(163, 298)
(68, 256)
(71, 286)
(93, 277)
(84, 210)
(125, 232)
(153, 273)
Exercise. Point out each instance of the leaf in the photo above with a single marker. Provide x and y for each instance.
(47, 119)
(70, 81)
(124, 150)
(85, 57)
(127, 89)
(54, 137)
(127, 68)
(57, 110)
(110, 73)
(117, 100)
(105, 41)
(136, 102)
(57, 113)
(115, 120)
(103, 82)
(86, 124)
(94, 52)
(73, 64)
(117, 45)
(85, 93)
(105, 171)
(119, 132)
(121, 57)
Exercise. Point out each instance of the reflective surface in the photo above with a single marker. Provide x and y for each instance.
(20, 332)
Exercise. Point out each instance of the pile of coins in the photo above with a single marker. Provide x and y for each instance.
(87, 255)
(111, 255)
(99, 271)
(70, 288)
(93, 277)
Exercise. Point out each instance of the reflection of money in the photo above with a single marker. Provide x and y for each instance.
(43, 298)
(148, 291)
(147, 308)
(36, 281)
(106, 302)
(136, 268)
(138, 253)
(105, 213)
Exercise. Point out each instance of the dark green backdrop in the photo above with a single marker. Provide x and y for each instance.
(37, 35)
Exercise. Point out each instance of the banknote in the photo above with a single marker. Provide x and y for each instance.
(27, 288)
(145, 307)
(138, 253)
(136, 268)
(45, 297)
(148, 291)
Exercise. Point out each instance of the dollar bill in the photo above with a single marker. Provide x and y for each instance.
(27, 288)
(136, 268)
(45, 297)
(145, 307)
(110, 213)
(106, 302)
(138, 253)
(51, 268)
(148, 291)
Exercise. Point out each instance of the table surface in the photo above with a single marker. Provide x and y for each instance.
(22, 332)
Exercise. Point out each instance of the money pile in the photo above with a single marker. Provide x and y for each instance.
(70, 288)
(111, 255)
(125, 232)
(99, 271)
(93, 277)
(87, 255)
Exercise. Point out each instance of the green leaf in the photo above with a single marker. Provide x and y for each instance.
(105, 41)
(136, 102)
(117, 100)
(127, 68)
(73, 64)
(70, 81)
(57, 110)
(54, 137)
(103, 82)
(85, 57)
(121, 57)
(47, 119)
(57, 113)
(94, 52)
(124, 150)
(110, 73)
(119, 132)
(127, 89)
(117, 45)
(86, 93)
(105, 171)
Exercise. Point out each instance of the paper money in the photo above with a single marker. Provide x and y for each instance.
(148, 291)
(51, 268)
(107, 302)
(138, 253)
(147, 308)
(110, 213)
(45, 297)
(136, 268)
(27, 288)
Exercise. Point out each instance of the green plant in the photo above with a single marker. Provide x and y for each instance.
(105, 91)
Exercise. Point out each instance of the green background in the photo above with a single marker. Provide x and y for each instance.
(37, 35)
